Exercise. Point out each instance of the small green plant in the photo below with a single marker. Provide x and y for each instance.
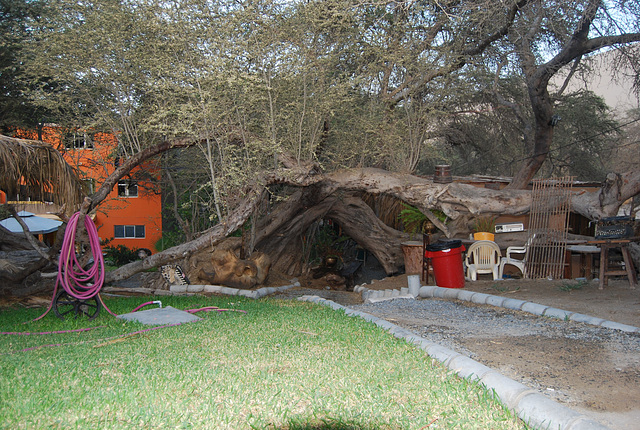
(499, 288)
(568, 286)
(485, 224)
(414, 221)
(504, 289)
(328, 243)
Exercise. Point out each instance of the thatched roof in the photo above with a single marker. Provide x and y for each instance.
(42, 169)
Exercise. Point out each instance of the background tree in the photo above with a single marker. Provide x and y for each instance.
(322, 85)
(486, 134)
(546, 39)
(346, 84)
(16, 21)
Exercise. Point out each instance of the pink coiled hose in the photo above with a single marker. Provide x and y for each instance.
(79, 283)
(84, 284)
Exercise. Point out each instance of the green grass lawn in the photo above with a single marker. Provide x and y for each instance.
(282, 365)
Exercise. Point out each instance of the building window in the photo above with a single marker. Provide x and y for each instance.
(128, 232)
(78, 140)
(88, 186)
(127, 189)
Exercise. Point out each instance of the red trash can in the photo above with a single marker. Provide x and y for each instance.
(446, 259)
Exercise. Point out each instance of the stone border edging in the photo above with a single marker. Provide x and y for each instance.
(531, 406)
(219, 289)
(372, 296)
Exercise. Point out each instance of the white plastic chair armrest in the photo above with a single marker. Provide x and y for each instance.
(515, 250)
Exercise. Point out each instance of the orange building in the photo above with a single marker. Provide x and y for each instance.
(131, 215)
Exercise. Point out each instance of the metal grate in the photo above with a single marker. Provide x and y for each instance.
(548, 226)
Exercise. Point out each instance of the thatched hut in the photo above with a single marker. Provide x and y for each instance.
(40, 168)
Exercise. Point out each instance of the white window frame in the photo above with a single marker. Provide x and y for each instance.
(130, 231)
(78, 140)
(126, 189)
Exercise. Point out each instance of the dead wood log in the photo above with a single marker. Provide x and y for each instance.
(19, 272)
(12, 241)
(223, 266)
(282, 233)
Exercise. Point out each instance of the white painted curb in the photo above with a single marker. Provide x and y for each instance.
(219, 289)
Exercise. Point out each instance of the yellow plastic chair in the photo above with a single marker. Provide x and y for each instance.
(483, 256)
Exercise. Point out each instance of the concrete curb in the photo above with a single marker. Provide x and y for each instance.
(219, 289)
(532, 407)
(426, 291)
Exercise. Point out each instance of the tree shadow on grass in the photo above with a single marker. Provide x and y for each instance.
(325, 425)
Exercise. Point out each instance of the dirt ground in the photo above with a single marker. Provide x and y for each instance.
(597, 375)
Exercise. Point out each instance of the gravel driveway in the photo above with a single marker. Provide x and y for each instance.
(452, 323)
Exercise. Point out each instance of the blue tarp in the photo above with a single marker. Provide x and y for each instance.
(36, 224)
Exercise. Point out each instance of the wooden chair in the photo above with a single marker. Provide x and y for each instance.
(483, 256)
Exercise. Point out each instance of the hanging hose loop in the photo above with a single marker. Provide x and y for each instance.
(77, 281)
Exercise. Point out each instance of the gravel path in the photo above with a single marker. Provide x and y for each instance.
(449, 323)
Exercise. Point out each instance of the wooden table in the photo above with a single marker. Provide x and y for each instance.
(605, 271)
(585, 260)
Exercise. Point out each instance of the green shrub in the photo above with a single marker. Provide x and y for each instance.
(485, 223)
(168, 240)
(119, 255)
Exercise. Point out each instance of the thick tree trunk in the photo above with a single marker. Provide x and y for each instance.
(356, 218)
(543, 135)
(361, 224)
(539, 75)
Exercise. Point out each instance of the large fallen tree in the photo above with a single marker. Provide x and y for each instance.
(338, 195)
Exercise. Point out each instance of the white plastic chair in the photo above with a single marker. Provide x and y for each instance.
(519, 263)
(483, 256)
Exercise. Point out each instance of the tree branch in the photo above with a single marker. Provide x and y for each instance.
(132, 162)
(409, 87)
(454, 199)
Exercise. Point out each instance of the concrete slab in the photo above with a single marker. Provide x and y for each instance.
(160, 316)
